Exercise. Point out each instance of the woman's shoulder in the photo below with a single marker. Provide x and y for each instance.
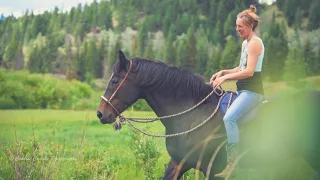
(256, 40)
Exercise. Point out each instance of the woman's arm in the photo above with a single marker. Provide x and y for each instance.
(231, 71)
(254, 50)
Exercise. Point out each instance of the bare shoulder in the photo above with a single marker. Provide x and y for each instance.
(255, 45)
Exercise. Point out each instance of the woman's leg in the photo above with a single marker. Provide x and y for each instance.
(238, 109)
(241, 105)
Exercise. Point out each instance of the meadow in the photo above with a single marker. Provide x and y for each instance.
(73, 144)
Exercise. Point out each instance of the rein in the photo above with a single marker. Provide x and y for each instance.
(123, 119)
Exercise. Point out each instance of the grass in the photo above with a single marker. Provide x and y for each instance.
(68, 144)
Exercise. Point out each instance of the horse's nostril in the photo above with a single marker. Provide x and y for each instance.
(99, 114)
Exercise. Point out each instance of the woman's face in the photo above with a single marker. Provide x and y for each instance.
(243, 29)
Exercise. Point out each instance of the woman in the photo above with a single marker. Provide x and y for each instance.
(249, 84)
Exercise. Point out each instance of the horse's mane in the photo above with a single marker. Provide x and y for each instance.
(169, 80)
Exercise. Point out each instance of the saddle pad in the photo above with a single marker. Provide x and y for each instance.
(225, 101)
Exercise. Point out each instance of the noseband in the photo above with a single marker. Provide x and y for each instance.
(115, 92)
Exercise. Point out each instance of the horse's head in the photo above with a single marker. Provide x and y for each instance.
(121, 91)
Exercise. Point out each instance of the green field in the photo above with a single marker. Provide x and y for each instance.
(66, 144)
(72, 145)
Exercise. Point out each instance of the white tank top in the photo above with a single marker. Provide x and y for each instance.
(244, 56)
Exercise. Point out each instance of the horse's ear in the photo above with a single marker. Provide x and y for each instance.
(123, 60)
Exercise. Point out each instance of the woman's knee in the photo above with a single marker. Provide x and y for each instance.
(228, 119)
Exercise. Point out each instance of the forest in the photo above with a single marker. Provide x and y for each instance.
(198, 35)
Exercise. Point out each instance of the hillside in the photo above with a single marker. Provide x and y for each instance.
(198, 35)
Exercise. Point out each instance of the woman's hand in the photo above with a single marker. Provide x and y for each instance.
(216, 76)
(218, 81)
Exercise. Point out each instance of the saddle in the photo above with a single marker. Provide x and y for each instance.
(233, 95)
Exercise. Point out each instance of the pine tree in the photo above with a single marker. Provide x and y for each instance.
(149, 53)
(191, 49)
(280, 4)
(169, 52)
(112, 55)
(142, 38)
(213, 64)
(103, 54)
(167, 21)
(228, 27)
(314, 15)
(297, 19)
(93, 61)
(294, 66)
(229, 54)
(217, 35)
(81, 61)
(181, 49)
(310, 58)
(34, 60)
(202, 49)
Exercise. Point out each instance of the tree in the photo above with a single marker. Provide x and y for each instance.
(294, 66)
(104, 15)
(310, 59)
(229, 54)
(202, 49)
(291, 7)
(93, 61)
(314, 15)
(228, 27)
(191, 49)
(81, 61)
(275, 56)
(217, 35)
(149, 53)
(297, 19)
(142, 38)
(213, 62)
(167, 21)
(103, 55)
(11, 51)
(280, 4)
(112, 55)
(169, 52)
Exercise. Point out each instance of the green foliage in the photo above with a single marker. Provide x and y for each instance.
(276, 51)
(214, 62)
(295, 69)
(67, 38)
(314, 15)
(21, 90)
(229, 55)
(146, 153)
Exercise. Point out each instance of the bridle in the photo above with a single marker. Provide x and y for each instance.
(115, 92)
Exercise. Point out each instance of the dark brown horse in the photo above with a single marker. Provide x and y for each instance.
(286, 127)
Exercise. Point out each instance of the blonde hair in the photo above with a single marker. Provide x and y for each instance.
(250, 17)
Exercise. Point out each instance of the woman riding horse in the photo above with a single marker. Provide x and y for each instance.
(249, 84)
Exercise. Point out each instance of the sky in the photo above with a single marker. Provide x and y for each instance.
(18, 7)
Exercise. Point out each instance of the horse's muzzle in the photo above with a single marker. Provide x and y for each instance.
(105, 119)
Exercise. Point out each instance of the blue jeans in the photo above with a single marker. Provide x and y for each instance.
(245, 101)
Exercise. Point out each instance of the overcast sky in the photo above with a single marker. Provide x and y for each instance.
(18, 7)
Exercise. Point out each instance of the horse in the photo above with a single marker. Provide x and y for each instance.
(283, 128)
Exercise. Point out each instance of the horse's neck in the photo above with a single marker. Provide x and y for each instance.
(164, 106)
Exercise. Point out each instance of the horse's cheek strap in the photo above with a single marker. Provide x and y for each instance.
(115, 92)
